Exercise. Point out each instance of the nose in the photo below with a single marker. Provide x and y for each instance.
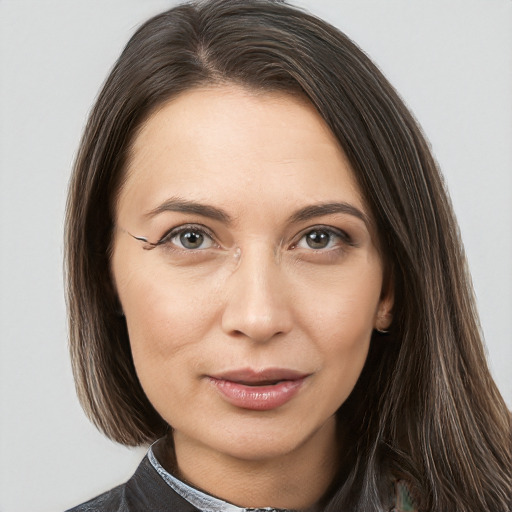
(257, 303)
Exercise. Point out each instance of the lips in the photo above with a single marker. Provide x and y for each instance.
(258, 390)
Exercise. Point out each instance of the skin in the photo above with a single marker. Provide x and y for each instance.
(254, 294)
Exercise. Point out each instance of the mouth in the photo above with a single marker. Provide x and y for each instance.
(259, 390)
(264, 377)
(260, 383)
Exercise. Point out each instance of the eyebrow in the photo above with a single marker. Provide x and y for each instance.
(318, 210)
(176, 204)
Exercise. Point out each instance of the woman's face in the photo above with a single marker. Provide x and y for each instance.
(250, 320)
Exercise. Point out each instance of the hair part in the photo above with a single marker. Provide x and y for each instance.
(425, 407)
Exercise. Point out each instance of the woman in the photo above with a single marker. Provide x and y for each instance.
(265, 276)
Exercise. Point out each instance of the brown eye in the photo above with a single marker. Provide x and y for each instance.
(323, 238)
(318, 239)
(188, 238)
(191, 239)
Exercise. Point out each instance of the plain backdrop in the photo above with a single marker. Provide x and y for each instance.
(451, 60)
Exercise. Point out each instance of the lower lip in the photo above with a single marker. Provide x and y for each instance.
(258, 398)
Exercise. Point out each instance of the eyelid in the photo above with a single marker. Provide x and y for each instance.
(176, 230)
(340, 233)
(171, 233)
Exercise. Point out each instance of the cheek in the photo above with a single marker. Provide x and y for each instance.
(161, 324)
(165, 319)
(340, 305)
(344, 339)
(163, 331)
(338, 316)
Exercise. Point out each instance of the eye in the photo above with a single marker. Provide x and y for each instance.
(322, 238)
(188, 238)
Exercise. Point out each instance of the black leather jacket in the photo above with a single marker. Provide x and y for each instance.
(145, 491)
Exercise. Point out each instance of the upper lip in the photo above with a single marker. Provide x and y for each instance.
(252, 376)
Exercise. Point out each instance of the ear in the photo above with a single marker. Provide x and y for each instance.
(384, 315)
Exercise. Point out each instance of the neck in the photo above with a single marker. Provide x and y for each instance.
(294, 480)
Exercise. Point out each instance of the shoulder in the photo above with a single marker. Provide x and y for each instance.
(146, 490)
(111, 501)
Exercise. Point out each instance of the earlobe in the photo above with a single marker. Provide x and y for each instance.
(383, 321)
(384, 315)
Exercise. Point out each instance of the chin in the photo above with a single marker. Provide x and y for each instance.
(259, 439)
(260, 448)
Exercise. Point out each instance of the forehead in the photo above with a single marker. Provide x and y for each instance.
(226, 143)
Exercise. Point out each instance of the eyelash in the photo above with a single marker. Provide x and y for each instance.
(344, 238)
(203, 230)
(174, 232)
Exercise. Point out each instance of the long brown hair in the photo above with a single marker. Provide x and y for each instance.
(425, 407)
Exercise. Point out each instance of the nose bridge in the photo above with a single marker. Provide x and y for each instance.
(256, 303)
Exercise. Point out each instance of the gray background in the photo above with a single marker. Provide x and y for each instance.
(450, 59)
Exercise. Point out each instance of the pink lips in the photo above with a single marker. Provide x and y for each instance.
(258, 390)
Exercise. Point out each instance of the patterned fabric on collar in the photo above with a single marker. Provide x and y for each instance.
(403, 497)
(404, 501)
(200, 500)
